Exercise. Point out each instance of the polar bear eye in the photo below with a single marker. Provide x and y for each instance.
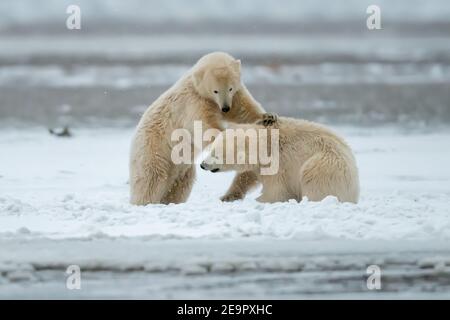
(231, 89)
(216, 92)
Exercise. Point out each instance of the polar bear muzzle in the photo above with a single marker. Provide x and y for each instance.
(226, 108)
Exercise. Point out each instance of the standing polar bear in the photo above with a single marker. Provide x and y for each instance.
(313, 161)
(211, 92)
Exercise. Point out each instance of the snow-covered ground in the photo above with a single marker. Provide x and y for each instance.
(77, 187)
(63, 199)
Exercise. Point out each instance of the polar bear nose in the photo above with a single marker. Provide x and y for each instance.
(205, 166)
(226, 108)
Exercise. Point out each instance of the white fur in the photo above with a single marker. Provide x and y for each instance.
(313, 162)
(154, 178)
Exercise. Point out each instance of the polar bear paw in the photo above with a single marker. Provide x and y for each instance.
(232, 197)
(268, 119)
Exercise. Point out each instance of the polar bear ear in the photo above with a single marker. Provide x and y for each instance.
(198, 77)
(237, 65)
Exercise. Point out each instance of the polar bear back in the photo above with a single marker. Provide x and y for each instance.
(316, 161)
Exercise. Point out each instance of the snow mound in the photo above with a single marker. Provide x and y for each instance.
(397, 216)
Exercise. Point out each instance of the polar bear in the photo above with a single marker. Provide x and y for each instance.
(211, 92)
(313, 161)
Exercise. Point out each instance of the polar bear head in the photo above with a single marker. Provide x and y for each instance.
(217, 77)
(244, 148)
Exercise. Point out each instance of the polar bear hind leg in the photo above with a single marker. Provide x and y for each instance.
(181, 187)
(323, 175)
(148, 189)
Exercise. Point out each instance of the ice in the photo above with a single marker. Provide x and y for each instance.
(125, 77)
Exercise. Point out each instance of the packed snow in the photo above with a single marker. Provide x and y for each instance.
(223, 269)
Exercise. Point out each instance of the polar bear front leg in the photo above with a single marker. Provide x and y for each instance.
(243, 182)
(272, 195)
(181, 188)
(244, 109)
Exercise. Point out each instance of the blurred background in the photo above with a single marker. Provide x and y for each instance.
(310, 59)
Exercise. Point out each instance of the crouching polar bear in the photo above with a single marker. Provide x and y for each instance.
(312, 160)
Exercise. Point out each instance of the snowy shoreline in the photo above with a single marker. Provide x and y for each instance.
(224, 269)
